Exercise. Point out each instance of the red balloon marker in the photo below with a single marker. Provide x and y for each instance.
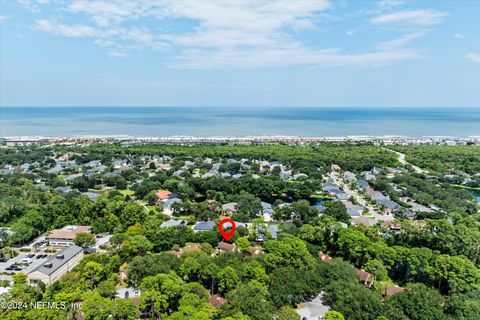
(227, 234)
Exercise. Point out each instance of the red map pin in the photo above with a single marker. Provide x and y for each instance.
(227, 234)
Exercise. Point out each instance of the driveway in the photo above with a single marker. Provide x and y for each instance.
(313, 310)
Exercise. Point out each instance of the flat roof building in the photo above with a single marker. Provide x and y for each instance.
(56, 266)
(65, 236)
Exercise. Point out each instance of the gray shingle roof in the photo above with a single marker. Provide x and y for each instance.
(204, 225)
(172, 223)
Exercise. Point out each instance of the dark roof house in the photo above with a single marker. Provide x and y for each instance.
(201, 226)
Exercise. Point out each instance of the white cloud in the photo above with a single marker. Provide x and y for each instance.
(3, 18)
(475, 57)
(224, 34)
(402, 41)
(390, 3)
(77, 30)
(274, 57)
(117, 54)
(458, 36)
(411, 17)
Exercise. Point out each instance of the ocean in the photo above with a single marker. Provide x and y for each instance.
(211, 121)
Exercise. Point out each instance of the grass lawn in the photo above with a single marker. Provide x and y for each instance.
(127, 192)
(320, 196)
(466, 187)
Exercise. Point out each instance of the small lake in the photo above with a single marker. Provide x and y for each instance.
(314, 201)
(476, 193)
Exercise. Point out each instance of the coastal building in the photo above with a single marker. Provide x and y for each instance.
(56, 266)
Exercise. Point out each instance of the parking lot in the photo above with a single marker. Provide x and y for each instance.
(39, 249)
(17, 261)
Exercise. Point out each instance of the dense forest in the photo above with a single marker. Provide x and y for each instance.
(443, 158)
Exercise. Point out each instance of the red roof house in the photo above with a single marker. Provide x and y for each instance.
(163, 194)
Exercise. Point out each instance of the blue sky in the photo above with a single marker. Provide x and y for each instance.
(240, 53)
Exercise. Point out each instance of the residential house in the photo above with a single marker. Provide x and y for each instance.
(201, 226)
(64, 189)
(73, 177)
(299, 175)
(402, 170)
(349, 176)
(112, 173)
(96, 170)
(266, 211)
(189, 248)
(365, 277)
(325, 258)
(342, 196)
(91, 195)
(24, 167)
(320, 208)
(391, 290)
(265, 232)
(390, 205)
(56, 266)
(173, 223)
(167, 205)
(229, 208)
(120, 163)
(163, 195)
(369, 176)
(354, 211)
(225, 246)
(178, 173)
(335, 167)
(55, 170)
(393, 226)
(255, 250)
(362, 184)
(376, 170)
(216, 301)
(363, 221)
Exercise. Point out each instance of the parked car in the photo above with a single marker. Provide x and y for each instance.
(30, 255)
(18, 268)
(3, 259)
(9, 268)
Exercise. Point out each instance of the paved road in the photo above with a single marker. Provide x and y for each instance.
(354, 193)
(401, 158)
